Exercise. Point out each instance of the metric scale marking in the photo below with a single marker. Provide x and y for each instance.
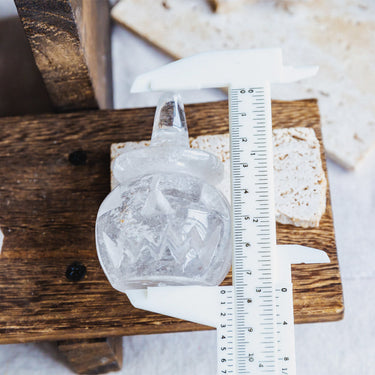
(285, 351)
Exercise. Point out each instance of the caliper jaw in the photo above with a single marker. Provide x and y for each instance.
(199, 304)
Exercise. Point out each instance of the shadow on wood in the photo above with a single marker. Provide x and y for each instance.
(22, 90)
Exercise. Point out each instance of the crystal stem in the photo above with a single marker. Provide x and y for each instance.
(170, 126)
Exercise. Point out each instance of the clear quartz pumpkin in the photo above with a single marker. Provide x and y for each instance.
(166, 223)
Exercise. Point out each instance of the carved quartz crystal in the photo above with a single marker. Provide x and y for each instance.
(166, 223)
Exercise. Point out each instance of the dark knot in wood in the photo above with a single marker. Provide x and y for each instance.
(78, 157)
(75, 272)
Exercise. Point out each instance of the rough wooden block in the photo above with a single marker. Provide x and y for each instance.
(70, 40)
(93, 356)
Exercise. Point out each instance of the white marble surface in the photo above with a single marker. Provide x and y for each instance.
(345, 347)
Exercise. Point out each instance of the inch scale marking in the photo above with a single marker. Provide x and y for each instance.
(254, 230)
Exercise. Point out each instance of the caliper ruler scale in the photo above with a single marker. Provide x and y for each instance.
(254, 228)
(254, 317)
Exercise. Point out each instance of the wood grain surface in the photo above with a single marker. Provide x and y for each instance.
(71, 46)
(54, 173)
(93, 356)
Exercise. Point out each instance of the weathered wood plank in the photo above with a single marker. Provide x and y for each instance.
(48, 207)
(71, 46)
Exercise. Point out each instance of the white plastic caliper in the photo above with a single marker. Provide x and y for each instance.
(254, 317)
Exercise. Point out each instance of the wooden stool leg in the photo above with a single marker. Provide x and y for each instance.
(93, 356)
